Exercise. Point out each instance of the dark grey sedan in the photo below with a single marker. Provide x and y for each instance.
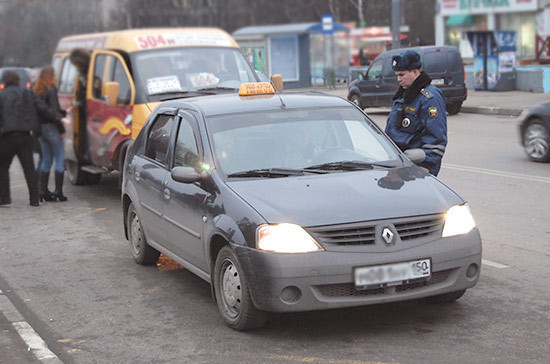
(293, 202)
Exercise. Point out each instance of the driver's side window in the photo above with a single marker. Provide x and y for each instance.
(186, 153)
(375, 70)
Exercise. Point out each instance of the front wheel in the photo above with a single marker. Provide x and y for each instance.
(536, 141)
(233, 294)
(142, 252)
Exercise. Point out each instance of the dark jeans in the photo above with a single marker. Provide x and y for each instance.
(20, 144)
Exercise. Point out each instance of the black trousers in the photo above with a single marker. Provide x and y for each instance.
(20, 144)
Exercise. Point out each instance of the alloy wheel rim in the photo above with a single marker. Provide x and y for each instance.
(231, 289)
(536, 141)
(135, 231)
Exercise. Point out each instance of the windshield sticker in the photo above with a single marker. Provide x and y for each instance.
(163, 84)
(175, 39)
(203, 79)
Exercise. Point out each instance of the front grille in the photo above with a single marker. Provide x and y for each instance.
(364, 233)
(419, 228)
(346, 236)
(348, 289)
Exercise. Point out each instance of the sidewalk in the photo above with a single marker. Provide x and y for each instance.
(478, 102)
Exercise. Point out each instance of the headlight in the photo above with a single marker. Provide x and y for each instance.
(459, 220)
(285, 238)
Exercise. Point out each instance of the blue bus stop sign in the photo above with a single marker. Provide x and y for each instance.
(327, 20)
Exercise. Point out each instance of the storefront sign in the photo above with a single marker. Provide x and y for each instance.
(452, 7)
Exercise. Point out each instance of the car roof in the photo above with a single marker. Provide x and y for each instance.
(420, 50)
(234, 104)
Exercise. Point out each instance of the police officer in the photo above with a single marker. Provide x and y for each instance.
(418, 117)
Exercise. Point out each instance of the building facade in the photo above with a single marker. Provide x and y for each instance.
(456, 17)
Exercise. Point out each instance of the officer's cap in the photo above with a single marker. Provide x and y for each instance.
(408, 60)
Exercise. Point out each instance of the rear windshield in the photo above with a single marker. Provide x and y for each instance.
(434, 62)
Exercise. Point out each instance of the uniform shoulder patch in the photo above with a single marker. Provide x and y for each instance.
(432, 111)
(426, 93)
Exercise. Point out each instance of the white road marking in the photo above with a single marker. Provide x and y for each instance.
(493, 264)
(493, 172)
(36, 345)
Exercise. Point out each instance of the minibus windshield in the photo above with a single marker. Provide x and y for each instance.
(185, 69)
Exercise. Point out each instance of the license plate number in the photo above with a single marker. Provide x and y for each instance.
(438, 81)
(391, 274)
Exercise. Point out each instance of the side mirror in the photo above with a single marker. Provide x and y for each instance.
(112, 91)
(277, 81)
(185, 175)
(416, 155)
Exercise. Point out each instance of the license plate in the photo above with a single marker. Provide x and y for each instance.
(438, 81)
(391, 274)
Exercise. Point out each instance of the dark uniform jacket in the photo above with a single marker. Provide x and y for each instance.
(19, 110)
(418, 120)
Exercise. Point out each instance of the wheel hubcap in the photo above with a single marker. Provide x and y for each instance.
(135, 232)
(231, 289)
(536, 141)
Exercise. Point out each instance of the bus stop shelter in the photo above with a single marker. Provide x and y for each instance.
(300, 52)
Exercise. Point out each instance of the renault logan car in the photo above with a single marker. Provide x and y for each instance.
(292, 202)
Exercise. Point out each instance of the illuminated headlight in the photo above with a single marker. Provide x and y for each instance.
(285, 238)
(459, 220)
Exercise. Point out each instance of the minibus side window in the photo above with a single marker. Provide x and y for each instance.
(119, 75)
(68, 78)
(56, 64)
(99, 71)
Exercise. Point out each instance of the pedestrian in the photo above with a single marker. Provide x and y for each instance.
(51, 140)
(418, 117)
(19, 109)
(80, 58)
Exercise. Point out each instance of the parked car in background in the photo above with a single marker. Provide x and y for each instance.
(443, 64)
(534, 130)
(293, 202)
(23, 75)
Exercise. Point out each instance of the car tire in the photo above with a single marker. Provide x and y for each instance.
(357, 101)
(233, 293)
(75, 174)
(447, 297)
(454, 109)
(536, 140)
(93, 179)
(142, 252)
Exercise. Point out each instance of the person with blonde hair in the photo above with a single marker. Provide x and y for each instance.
(51, 140)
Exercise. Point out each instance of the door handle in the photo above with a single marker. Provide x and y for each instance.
(167, 194)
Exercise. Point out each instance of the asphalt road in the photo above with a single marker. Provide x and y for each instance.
(68, 269)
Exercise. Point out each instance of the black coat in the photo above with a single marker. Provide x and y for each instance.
(19, 110)
(50, 97)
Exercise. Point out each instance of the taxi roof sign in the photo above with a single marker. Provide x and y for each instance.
(256, 88)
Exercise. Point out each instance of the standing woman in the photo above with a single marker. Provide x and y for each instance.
(51, 141)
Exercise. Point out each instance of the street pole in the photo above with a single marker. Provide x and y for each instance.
(396, 23)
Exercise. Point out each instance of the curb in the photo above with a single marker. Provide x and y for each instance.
(35, 344)
(490, 110)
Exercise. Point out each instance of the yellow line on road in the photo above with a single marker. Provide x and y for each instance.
(301, 359)
(493, 172)
(91, 212)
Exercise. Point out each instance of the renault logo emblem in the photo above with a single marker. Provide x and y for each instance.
(387, 235)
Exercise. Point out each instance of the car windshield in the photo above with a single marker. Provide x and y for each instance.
(185, 69)
(274, 144)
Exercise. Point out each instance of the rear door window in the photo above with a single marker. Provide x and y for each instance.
(454, 63)
(434, 62)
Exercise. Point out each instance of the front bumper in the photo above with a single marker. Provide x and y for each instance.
(324, 280)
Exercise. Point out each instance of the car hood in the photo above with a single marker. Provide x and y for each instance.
(337, 198)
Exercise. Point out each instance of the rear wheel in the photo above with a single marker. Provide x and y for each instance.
(454, 109)
(75, 174)
(233, 294)
(142, 252)
(357, 101)
(536, 141)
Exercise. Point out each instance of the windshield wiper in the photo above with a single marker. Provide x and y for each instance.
(268, 173)
(216, 88)
(345, 166)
